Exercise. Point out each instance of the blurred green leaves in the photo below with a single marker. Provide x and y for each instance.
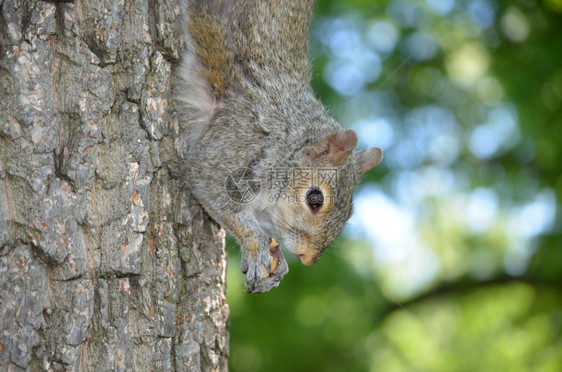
(508, 327)
(460, 223)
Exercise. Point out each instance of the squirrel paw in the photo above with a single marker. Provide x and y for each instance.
(264, 270)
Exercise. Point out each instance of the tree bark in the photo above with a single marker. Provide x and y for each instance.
(106, 262)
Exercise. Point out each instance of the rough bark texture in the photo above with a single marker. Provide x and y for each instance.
(106, 262)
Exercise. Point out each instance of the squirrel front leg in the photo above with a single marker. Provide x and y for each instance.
(263, 263)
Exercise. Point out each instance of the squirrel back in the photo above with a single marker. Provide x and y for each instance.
(265, 159)
(234, 47)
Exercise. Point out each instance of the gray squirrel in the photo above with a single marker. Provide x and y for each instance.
(265, 160)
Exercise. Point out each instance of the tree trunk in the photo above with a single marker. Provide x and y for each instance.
(106, 262)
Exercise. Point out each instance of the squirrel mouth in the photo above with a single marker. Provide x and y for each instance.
(306, 259)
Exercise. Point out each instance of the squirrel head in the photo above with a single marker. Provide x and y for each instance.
(319, 193)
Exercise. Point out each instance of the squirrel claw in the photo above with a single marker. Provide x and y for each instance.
(265, 270)
(273, 244)
(274, 254)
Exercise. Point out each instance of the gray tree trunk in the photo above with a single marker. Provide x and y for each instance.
(106, 263)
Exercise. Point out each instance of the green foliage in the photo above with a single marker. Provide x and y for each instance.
(453, 259)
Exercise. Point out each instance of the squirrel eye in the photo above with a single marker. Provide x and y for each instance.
(314, 200)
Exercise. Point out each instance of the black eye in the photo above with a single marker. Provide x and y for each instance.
(314, 200)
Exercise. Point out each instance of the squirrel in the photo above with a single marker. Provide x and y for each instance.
(264, 158)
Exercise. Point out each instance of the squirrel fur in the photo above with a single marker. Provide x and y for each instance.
(244, 92)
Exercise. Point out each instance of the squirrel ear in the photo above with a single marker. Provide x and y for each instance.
(368, 158)
(333, 149)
